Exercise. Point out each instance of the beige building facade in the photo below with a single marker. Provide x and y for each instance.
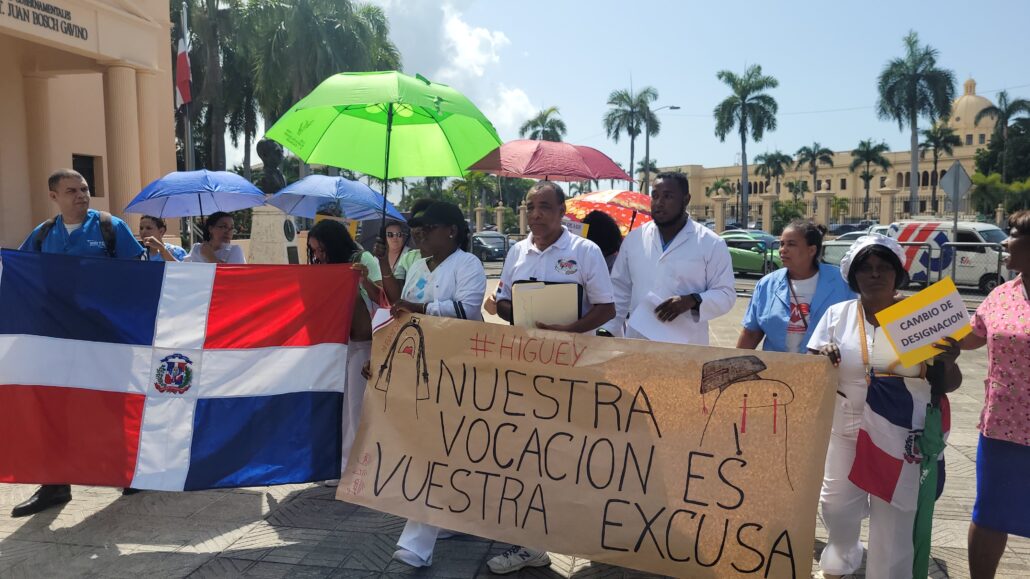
(84, 84)
(842, 183)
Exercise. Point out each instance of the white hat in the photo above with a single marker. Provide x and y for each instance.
(864, 242)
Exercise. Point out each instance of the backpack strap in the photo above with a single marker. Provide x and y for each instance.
(43, 232)
(108, 233)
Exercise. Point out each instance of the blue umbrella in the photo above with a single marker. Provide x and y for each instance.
(356, 200)
(188, 193)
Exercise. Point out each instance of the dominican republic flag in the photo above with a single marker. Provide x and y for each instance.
(170, 376)
(887, 456)
(183, 75)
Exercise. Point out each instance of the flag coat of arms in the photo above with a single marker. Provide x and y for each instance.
(170, 376)
(887, 454)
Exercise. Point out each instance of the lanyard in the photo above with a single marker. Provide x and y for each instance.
(865, 349)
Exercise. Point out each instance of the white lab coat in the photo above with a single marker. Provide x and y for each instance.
(696, 261)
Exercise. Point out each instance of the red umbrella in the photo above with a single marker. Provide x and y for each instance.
(627, 219)
(549, 160)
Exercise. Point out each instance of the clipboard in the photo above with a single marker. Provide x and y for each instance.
(548, 302)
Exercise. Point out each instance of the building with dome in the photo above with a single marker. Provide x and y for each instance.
(845, 184)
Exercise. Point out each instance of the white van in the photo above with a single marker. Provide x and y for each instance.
(976, 266)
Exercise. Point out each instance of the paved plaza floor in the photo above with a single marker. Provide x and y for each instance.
(301, 531)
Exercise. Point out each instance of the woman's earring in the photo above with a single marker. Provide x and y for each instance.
(452, 237)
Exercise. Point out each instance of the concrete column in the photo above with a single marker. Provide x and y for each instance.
(523, 218)
(149, 111)
(887, 205)
(37, 124)
(823, 199)
(768, 201)
(121, 116)
(480, 217)
(499, 216)
(719, 206)
(999, 215)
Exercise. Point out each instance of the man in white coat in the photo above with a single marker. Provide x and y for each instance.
(679, 269)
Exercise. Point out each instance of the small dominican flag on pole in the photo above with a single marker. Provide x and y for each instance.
(183, 75)
(171, 376)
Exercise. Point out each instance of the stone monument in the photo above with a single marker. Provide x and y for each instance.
(273, 234)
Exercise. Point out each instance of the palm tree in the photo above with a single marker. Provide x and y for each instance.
(811, 157)
(839, 206)
(475, 183)
(910, 87)
(629, 113)
(720, 184)
(750, 110)
(611, 182)
(238, 61)
(941, 139)
(1003, 113)
(773, 166)
(212, 22)
(647, 168)
(545, 126)
(869, 154)
(797, 188)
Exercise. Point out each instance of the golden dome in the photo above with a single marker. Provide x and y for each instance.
(966, 107)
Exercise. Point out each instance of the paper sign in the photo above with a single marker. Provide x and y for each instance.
(556, 303)
(576, 227)
(690, 461)
(914, 324)
(643, 320)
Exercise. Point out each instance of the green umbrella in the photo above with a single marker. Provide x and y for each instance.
(931, 445)
(388, 125)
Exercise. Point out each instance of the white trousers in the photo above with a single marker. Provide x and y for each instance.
(420, 539)
(353, 394)
(844, 506)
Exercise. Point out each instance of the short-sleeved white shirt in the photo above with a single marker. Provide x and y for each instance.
(840, 326)
(226, 254)
(570, 259)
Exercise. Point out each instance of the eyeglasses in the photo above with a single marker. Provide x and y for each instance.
(400, 235)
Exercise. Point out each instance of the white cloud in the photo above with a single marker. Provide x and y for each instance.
(470, 50)
(508, 110)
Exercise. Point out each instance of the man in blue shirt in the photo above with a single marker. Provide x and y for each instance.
(76, 230)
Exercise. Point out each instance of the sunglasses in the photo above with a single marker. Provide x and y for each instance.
(400, 235)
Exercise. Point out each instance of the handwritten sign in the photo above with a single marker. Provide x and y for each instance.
(683, 460)
(914, 324)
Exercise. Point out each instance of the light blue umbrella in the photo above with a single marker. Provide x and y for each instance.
(189, 193)
(356, 200)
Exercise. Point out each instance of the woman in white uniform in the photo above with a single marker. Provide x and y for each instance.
(850, 335)
(446, 282)
(217, 246)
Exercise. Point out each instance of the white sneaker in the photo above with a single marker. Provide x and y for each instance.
(517, 558)
(410, 558)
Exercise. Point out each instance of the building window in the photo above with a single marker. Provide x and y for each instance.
(883, 182)
(86, 166)
(843, 184)
(969, 139)
(983, 138)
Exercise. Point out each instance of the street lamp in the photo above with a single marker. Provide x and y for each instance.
(647, 147)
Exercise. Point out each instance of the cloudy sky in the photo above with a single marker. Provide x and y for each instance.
(514, 58)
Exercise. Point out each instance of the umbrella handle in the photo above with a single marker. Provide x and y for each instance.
(386, 169)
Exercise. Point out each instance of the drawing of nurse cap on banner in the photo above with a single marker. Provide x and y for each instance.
(746, 413)
(405, 368)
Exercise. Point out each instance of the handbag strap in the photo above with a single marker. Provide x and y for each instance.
(794, 300)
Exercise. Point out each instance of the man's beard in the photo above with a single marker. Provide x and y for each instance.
(670, 221)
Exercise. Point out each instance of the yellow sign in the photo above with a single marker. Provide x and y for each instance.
(690, 461)
(352, 226)
(916, 323)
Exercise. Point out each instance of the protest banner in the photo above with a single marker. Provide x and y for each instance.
(684, 460)
(915, 323)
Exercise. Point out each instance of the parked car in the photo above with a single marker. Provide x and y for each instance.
(770, 240)
(752, 256)
(879, 229)
(489, 246)
(975, 265)
(851, 236)
(842, 228)
(834, 250)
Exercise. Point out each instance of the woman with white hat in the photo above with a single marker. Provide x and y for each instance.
(850, 335)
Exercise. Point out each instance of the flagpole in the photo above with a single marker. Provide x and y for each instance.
(188, 154)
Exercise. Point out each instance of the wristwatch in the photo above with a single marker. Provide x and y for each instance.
(697, 302)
